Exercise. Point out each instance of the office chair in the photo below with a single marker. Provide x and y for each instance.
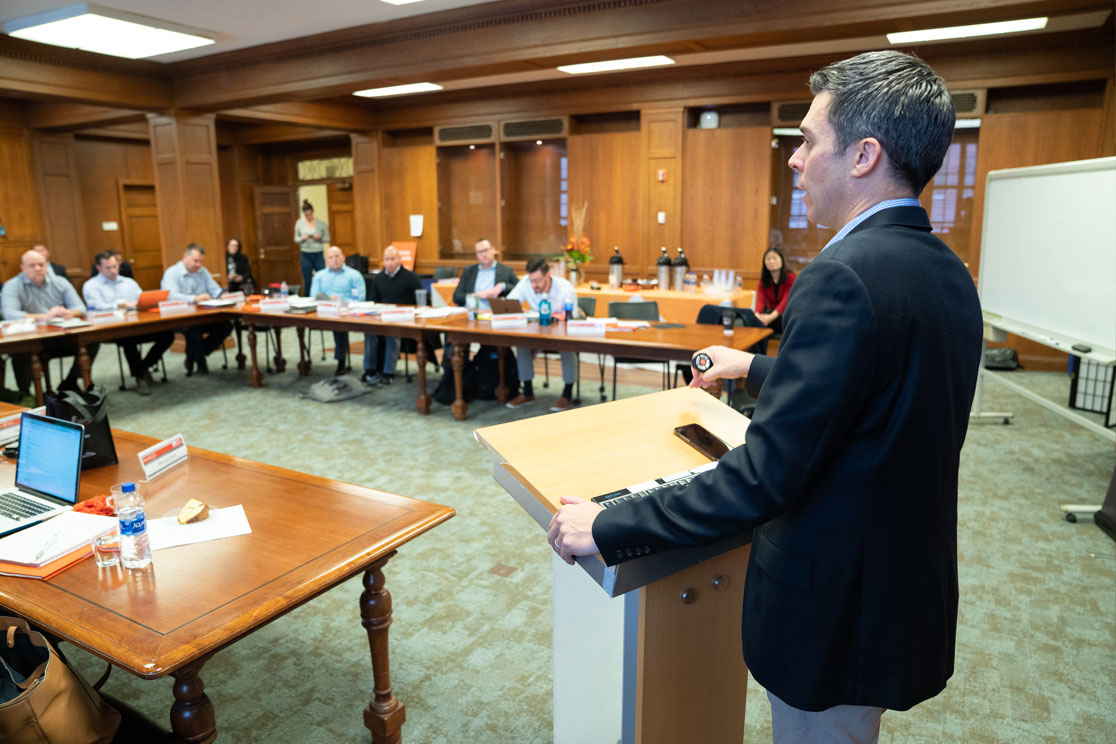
(444, 272)
(139, 347)
(635, 311)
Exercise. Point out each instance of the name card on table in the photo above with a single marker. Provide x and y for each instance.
(158, 458)
(590, 327)
(275, 306)
(330, 309)
(9, 425)
(106, 316)
(398, 315)
(26, 325)
(509, 320)
(236, 297)
(174, 307)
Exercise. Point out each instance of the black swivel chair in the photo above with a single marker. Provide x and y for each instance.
(444, 272)
(635, 311)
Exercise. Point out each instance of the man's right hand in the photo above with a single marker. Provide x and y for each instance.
(202, 297)
(728, 364)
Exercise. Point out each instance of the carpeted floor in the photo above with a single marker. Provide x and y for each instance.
(470, 645)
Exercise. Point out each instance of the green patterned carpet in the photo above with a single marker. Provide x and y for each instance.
(470, 646)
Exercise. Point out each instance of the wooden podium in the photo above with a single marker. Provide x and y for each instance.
(655, 656)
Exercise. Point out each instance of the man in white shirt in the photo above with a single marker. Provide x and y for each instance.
(108, 290)
(532, 289)
(190, 281)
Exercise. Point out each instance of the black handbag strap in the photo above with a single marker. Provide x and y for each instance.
(90, 412)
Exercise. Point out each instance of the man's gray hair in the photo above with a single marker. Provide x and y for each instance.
(897, 99)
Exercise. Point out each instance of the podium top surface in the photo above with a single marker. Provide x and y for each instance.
(596, 449)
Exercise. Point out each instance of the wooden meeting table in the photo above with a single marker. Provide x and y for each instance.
(309, 534)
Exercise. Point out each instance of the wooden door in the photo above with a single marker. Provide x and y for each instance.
(278, 257)
(342, 224)
(139, 217)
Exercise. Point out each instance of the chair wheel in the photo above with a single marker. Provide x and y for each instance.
(1071, 517)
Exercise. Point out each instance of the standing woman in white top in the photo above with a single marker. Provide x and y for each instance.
(312, 236)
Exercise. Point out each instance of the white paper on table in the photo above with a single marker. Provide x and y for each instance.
(166, 532)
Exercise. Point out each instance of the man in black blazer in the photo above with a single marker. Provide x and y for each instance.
(56, 268)
(488, 278)
(848, 476)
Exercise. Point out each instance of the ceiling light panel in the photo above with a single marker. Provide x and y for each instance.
(617, 64)
(964, 32)
(397, 90)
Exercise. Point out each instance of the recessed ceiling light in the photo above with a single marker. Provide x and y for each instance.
(397, 90)
(106, 31)
(963, 32)
(617, 64)
(538, 142)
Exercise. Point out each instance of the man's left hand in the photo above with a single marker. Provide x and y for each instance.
(571, 528)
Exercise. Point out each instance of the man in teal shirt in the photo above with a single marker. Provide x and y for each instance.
(338, 281)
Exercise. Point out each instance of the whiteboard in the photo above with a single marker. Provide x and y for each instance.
(1048, 254)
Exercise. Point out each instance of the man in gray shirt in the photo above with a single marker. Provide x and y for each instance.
(188, 280)
(37, 293)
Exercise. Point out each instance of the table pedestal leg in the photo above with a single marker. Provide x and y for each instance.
(37, 377)
(192, 717)
(422, 402)
(255, 377)
(240, 358)
(385, 714)
(303, 353)
(501, 384)
(459, 405)
(280, 362)
(86, 364)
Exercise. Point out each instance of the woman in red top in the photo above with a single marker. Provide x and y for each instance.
(773, 289)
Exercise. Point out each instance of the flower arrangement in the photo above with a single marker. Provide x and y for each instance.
(577, 250)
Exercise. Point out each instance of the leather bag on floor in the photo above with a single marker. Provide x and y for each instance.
(89, 408)
(42, 701)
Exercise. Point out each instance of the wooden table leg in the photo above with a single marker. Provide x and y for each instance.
(255, 377)
(240, 358)
(460, 407)
(422, 402)
(192, 717)
(37, 377)
(303, 353)
(501, 384)
(385, 714)
(280, 362)
(86, 364)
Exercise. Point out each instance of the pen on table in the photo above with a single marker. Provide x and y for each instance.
(42, 551)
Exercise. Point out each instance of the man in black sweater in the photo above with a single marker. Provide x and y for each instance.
(396, 285)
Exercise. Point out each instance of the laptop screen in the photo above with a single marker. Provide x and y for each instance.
(50, 456)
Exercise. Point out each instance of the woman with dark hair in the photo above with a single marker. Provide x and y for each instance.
(312, 236)
(238, 269)
(773, 289)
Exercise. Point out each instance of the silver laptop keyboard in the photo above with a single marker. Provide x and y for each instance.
(17, 506)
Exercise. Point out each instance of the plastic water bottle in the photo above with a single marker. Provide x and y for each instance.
(568, 307)
(135, 547)
(354, 294)
(544, 312)
(284, 291)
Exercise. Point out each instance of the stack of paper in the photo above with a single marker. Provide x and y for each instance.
(54, 538)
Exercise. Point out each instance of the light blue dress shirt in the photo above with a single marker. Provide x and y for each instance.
(20, 296)
(184, 285)
(340, 283)
(885, 204)
(486, 279)
(101, 294)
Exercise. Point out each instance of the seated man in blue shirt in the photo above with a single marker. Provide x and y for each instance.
(35, 292)
(188, 280)
(108, 290)
(341, 282)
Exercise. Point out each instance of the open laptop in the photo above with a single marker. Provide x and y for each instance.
(150, 298)
(48, 472)
(503, 306)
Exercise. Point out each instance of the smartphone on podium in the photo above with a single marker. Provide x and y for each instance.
(701, 439)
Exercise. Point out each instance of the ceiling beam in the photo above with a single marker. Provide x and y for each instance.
(306, 113)
(273, 133)
(71, 116)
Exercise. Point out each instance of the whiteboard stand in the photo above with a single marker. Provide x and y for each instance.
(977, 414)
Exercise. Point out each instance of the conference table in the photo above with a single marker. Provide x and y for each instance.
(309, 534)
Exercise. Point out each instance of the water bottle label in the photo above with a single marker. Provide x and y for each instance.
(133, 526)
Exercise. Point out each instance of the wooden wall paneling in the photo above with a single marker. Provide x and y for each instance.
(278, 255)
(184, 151)
(948, 198)
(139, 231)
(1107, 146)
(604, 170)
(531, 186)
(241, 172)
(1017, 140)
(101, 165)
(60, 194)
(409, 185)
(342, 227)
(725, 212)
(468, 199)
(367, 194)
(20, 213)
(662, 156)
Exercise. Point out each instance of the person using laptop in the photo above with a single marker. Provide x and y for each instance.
(533, 289)
(189, 281)
(342, 282)
(110, 291)
(37, 293)
(397, 285)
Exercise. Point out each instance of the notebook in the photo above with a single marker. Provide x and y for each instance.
(48, 472)
(150, 298)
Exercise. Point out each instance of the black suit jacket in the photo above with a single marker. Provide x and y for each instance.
(848, 475)
(469, 281)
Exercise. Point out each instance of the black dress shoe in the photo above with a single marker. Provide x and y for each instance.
(203, 367)
(189, 367)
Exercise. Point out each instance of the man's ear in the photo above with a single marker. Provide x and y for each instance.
(869, 156)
